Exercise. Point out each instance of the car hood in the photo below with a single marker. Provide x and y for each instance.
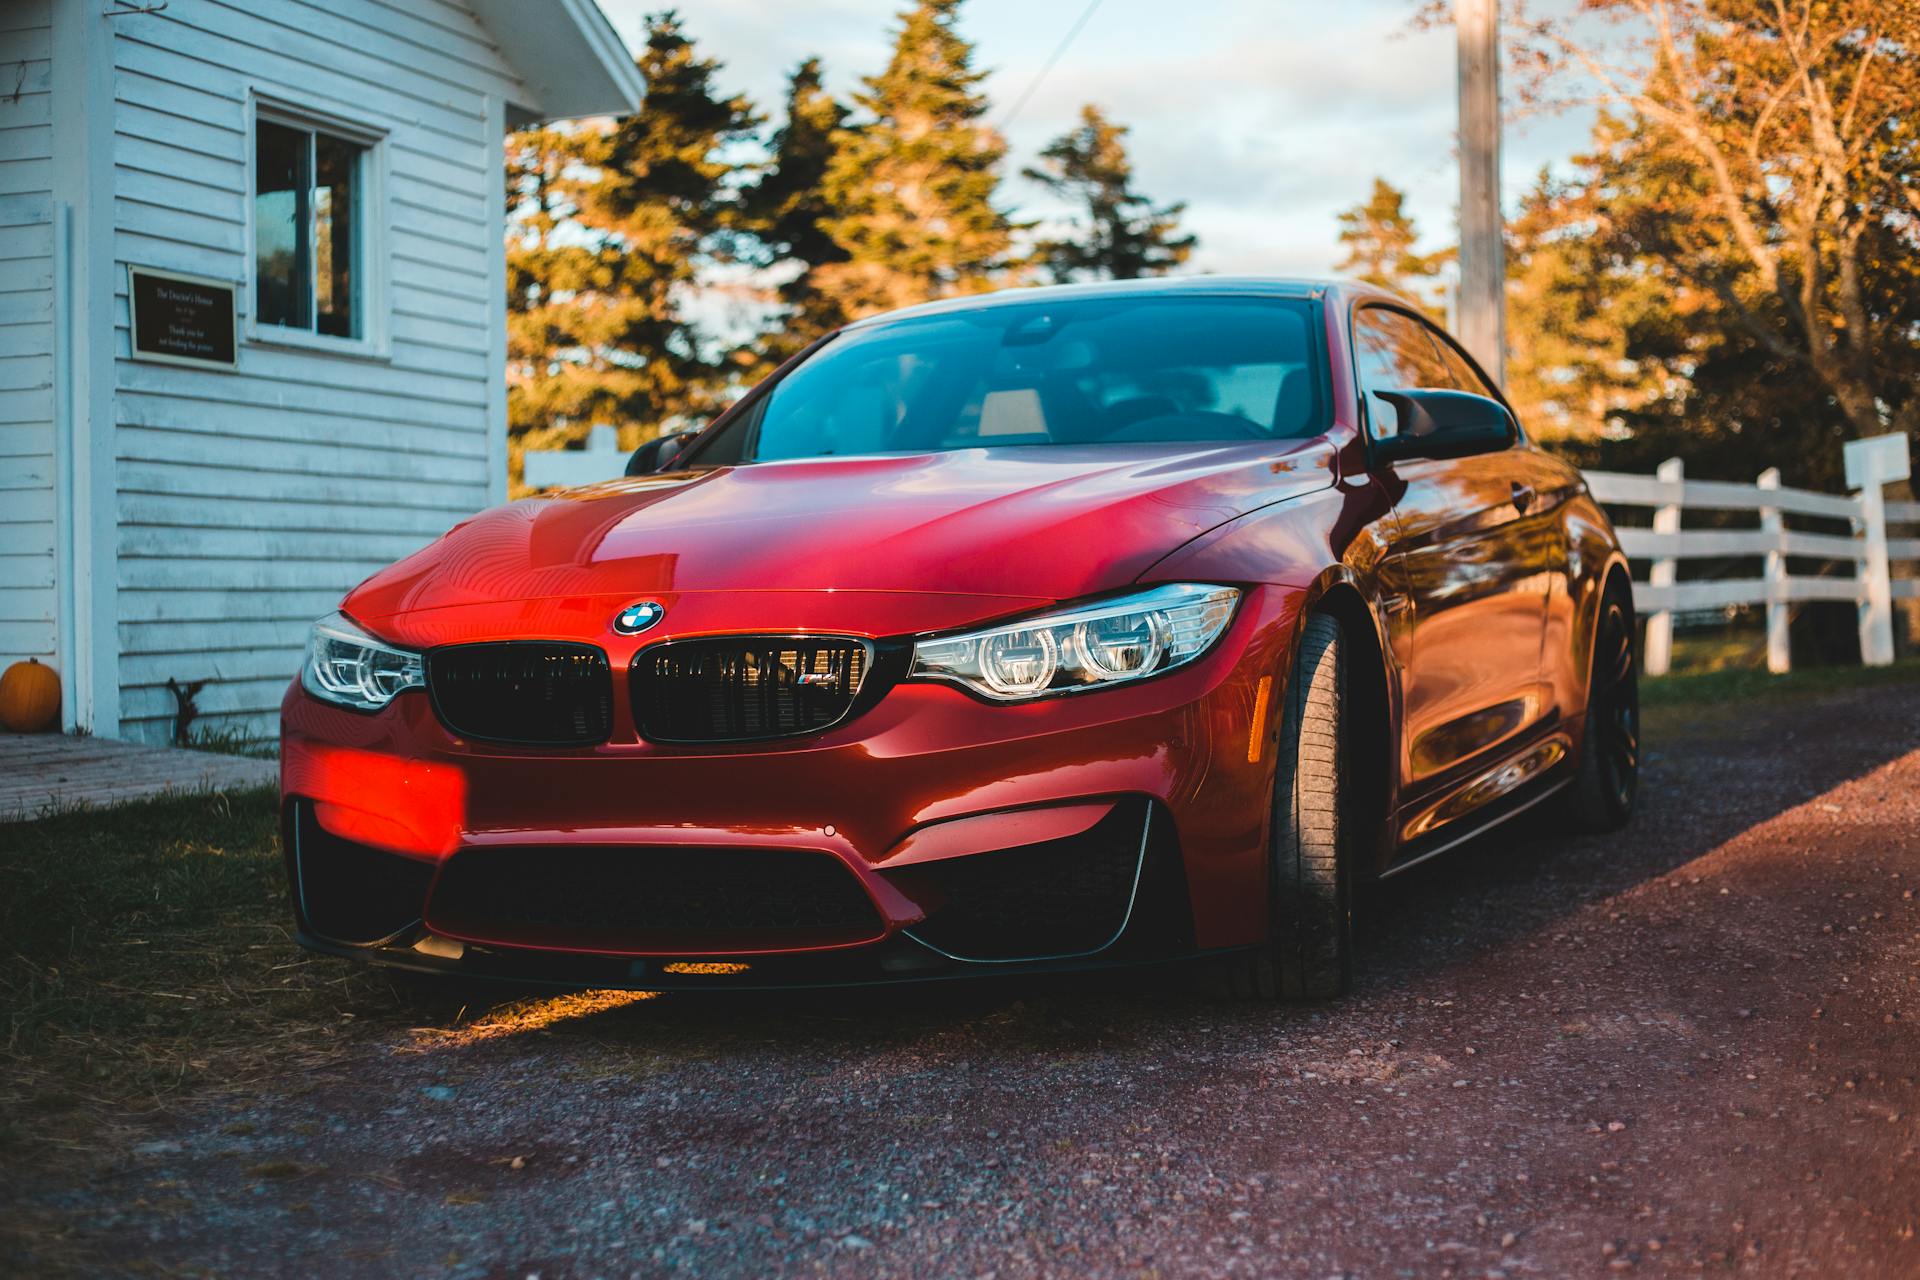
(967, 534)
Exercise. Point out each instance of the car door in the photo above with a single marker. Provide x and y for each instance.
(1467, 563)
(1546, 484)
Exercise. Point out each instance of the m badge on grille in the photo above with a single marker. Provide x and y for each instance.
(636, 618)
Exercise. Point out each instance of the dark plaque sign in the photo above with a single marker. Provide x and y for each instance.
(181, 319)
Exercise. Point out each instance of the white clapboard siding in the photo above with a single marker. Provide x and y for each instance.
(251, 500)
(27, 507)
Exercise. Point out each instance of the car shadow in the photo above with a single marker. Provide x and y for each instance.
(1711, 774)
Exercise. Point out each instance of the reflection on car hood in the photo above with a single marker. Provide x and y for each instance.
(1042, 523)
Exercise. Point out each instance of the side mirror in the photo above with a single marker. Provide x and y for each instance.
(1445, 424)
(658, 453)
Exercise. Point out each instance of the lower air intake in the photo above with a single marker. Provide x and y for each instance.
(640, 900)
(350, 892)
(1057, 899)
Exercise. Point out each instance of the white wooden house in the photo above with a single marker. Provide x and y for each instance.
(252, 317)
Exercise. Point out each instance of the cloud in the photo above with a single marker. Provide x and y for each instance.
(1266, 118)
(1267, 135)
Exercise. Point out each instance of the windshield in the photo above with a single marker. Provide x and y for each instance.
(1088, 371)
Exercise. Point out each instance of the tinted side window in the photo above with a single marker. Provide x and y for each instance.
(1393, 353)
(1462, 375)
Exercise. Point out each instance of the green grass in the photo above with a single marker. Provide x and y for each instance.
(1736, 645)
(1745, 684)
(233, 742)
(145, 950)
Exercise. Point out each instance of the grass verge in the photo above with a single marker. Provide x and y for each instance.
(146, 950)
(1698, 704)
(1744, 684)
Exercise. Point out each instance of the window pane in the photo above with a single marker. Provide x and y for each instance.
(336, 235)
(1393, 353)
(1464, 376)
(280, 267)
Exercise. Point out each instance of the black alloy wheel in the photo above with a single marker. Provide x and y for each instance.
(1603, 789)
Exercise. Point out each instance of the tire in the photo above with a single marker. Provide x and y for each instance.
(1308, 954)
(1601, 795)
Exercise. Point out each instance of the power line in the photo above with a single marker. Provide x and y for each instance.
(1040, 76)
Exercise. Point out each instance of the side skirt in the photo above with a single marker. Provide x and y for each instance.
(1481, 823)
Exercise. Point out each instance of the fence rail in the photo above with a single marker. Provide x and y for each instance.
(1866, 551)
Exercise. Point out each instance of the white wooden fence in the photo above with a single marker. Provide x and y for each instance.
(602, 459)
(1866, 550)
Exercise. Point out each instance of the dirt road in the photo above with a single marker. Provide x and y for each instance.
(1694, 1046)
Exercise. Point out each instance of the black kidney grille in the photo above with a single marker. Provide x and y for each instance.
(739, 688)
(541, 693)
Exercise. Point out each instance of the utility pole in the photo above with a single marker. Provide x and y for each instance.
(1483, 258)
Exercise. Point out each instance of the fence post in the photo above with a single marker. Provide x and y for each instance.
(1779, 644)
(1657, 654)
(601, 459)
(1872, 463)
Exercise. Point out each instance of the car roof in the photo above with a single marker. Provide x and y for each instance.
(1161, 286)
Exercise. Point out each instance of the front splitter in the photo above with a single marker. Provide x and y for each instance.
(894, 962)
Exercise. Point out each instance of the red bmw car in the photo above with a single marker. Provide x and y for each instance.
(1053, 628)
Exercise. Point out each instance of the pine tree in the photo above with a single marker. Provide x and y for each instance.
(786, 211)
(555, 285)
(912, 189)
(1119, 234)
(612, 220)
(1380, 236)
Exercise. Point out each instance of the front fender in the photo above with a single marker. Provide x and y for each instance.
(1328, 548)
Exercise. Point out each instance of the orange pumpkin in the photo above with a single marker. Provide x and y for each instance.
(29, 697)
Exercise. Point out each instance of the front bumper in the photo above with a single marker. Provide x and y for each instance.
(926, 798)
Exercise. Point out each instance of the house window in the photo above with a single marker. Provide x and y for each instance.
(309, 233)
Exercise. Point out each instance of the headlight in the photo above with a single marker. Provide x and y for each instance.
(349, 668)
(1106, 643)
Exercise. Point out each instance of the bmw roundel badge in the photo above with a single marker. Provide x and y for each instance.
(636, 618)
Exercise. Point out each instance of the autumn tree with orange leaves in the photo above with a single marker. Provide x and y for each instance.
(1760, 159)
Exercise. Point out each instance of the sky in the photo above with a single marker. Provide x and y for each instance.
(1266, 116)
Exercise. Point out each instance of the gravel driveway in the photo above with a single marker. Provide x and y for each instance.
(1692, 1046)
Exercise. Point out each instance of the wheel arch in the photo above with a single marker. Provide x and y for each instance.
(1372, 749)
(1615, 573)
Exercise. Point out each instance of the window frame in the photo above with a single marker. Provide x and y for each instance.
(1488, 387)
(1442, 339)
(375, 231)
(1360, 393)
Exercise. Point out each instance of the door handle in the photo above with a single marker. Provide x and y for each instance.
(1522, 497)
